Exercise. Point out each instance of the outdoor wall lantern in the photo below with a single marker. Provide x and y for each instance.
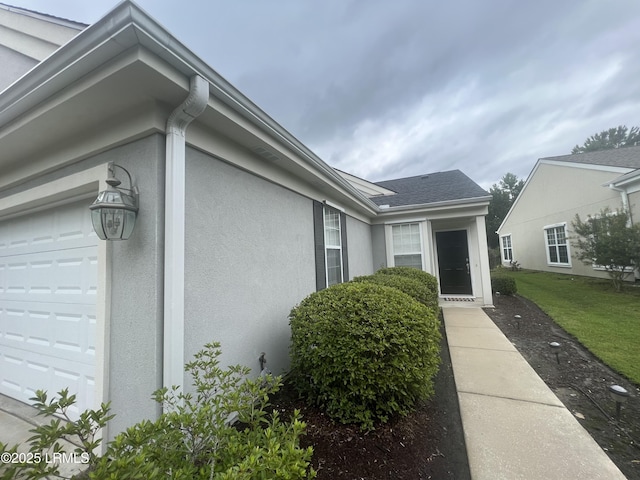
(114, 212)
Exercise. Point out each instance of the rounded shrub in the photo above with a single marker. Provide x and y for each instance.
(364, 351)
(416, 289)
(504, 285)
(420, 275)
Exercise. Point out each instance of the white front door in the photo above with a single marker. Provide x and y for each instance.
(48, 286)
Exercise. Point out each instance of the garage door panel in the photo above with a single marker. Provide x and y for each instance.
(48, 290)
(51, 276)
(58, 330)
(34, 246)
(27, 372)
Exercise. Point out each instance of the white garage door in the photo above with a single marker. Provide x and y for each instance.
(48, 280)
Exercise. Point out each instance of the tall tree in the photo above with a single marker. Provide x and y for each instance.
(503, 195)
(616, 137)
(608, 241)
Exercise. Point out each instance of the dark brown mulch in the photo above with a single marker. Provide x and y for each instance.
(427, 444)
(580, 380)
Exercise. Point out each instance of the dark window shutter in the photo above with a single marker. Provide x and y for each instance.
(345, 256)
(318, 233)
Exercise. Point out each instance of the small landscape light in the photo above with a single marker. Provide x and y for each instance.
(555, 348)
(619, 395)
(517, 318)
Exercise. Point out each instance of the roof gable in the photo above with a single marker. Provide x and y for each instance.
(436, 187)
(625, 161)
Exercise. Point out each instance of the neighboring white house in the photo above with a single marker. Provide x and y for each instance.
(238, 221)
(537, 231)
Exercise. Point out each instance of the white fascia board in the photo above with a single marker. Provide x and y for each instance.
(587, 166)
(624, 181)
(442, 211)
(524, 187)
(365, 186)
(463, 202)
(25, 44)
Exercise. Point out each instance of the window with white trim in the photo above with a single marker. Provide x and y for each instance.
(407, 245)
(507, 249)
(333, 246)
(330, 239)
(557, 245)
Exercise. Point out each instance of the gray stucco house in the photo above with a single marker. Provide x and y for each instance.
(537, 232)
(237, 220)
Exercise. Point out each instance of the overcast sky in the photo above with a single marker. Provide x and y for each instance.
(392, 88)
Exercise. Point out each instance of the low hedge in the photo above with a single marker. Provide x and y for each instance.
(420, 275)
(364, 351)
(504, 285)
(413, 287)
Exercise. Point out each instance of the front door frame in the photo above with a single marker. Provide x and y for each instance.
(470, 292)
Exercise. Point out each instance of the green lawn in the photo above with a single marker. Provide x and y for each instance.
(606, 322)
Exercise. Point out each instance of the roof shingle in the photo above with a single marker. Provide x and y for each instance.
(628, 157)
(431, 188)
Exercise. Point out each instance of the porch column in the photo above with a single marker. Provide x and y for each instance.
(485, 273)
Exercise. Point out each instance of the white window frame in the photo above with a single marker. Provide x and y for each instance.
(389, 240)
(327, 246)
(504, 248)
(556, 226)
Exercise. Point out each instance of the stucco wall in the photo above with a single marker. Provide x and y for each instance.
(14, 65)
(359, 248)
(379, 248)
(249, 260)
(555, 194)
(135, 367)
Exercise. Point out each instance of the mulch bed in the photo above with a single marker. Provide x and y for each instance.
(429, 444)
(426, 444)
(580, 380)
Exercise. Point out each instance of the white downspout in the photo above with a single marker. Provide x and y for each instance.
(624, 197)
(174, 230)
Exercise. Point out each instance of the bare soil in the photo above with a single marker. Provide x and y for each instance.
(429, 443)
(580, 380)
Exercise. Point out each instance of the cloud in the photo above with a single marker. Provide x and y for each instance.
(388, 89)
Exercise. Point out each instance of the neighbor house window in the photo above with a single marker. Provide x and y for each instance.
(330, 233)
(407, 245)
(557, 246)
(507, 249)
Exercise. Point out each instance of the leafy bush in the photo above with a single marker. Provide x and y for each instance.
(420, 275)
(364, 351)
(194, 438)
(50, 442)
(416, 289)
(504, 285)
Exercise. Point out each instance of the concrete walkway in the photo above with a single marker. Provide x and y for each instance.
(514, 425)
